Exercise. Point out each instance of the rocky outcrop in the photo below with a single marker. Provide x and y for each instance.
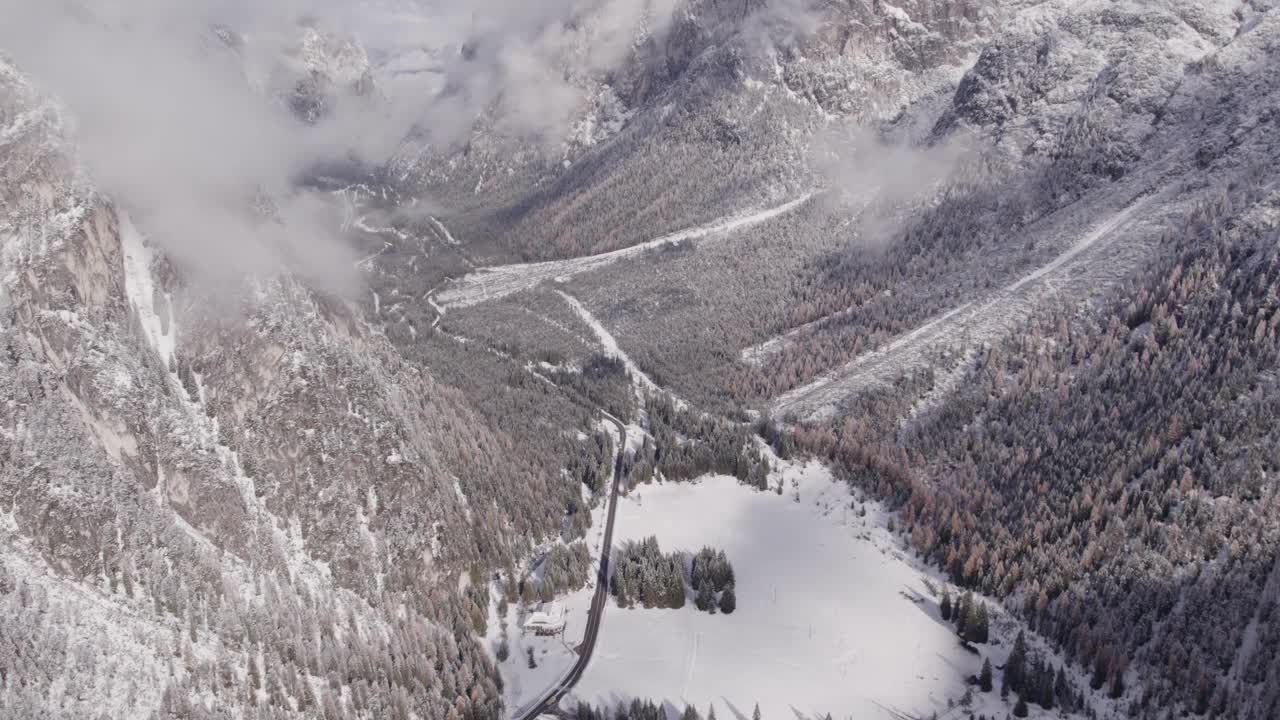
(162, 444)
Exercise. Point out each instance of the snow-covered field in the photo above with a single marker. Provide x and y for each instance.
(831, 614)
(496, 282)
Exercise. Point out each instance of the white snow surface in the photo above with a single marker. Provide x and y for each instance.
(140, 288)
(492, 283)
(825, 619)
(555, 656)
(448, 236)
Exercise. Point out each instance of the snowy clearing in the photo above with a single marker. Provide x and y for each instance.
(1076, 272)
(497, 282)
(831, 614)
(759, 353)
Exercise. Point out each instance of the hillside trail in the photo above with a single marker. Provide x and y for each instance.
(1083, 265)
(492, 283)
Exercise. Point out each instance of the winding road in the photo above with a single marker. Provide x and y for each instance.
(551, 698)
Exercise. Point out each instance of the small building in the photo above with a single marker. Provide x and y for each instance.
(547, 621)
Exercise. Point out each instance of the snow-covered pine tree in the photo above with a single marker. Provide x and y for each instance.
(728, 601)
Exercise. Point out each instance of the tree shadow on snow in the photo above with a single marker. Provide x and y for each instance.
(799, 715)
(733, 709)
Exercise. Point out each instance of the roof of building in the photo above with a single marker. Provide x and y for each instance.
(544, 620)
(551, 615)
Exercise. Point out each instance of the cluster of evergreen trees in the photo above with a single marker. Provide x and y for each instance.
(638, 710)
(564, 568)
(1035, 680)
(265, 653)
(603, 381)
(643, 573)
(711, 576)
(969, 614)
(687, 444)
(592, 467)
(648, 710)
(838, 300)
(1134, 530)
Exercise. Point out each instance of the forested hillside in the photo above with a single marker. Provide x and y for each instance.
(1111, 474)
(1117, 474)
(239, 499)
(1012, 266)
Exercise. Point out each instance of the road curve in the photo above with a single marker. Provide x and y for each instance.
(550, 699)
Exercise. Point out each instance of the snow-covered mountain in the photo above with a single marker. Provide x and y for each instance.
(935, 245)
(206, 485)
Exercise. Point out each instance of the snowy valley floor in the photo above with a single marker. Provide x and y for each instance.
(825, 619)
(833, 615)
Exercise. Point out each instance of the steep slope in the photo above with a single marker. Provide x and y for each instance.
(191, 475)
(712, 118)
(1106, 467)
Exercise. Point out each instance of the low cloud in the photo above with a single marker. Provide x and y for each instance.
(180, 111)
(165, 121)
(525, 65)
(882, 179)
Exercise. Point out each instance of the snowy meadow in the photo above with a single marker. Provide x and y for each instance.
(831, 615)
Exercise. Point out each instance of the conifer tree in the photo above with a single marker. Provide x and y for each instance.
(1015, 666)
(1061, 690)
(1116, 688)
(984, 678)
(982, 624)
(706, 598)
(728, 600)
(1099, 671)
(961, 614)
